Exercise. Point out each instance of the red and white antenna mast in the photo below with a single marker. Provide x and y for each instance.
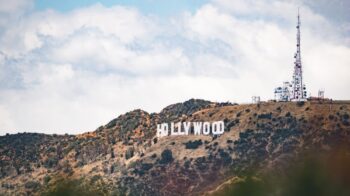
(298, 87)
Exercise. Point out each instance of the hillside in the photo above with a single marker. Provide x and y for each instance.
(125, 158)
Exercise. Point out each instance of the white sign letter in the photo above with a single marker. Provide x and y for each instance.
(159, 130)
(179, 130)
(187, 126)
(206, 128)
(162, 130)
(172, 129)
(218, 127)
(197, 128)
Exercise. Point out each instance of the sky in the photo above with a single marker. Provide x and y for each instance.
(72, 66)
(156, 7)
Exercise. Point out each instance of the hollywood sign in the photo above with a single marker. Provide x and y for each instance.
(184, 128)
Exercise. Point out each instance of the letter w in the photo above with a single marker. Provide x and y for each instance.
(197, 128)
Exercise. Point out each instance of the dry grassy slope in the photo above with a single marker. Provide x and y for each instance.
(309, 117)
(123, 157)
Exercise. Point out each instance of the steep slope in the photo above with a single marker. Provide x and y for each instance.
(125, 157)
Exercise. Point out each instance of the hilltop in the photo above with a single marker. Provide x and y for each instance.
(125, 157)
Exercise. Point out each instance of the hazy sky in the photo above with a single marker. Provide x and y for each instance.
(70, 66)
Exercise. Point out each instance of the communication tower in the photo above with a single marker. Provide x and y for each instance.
(294, 90)
(298, 87)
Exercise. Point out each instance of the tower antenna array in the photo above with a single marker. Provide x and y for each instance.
(298, 87)
(294, 90)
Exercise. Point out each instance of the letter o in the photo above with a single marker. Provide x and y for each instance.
(206, 128)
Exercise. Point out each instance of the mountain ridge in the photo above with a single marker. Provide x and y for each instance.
(124, 156)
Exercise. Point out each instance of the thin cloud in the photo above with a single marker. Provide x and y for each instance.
(74, 71)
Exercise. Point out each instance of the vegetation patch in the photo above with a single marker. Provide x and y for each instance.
(154, 156)
(51, 162)
(300, 103)
(346, 123)
(187, 164)
(225, 157)
(193, 144)
(265, 116)
(232, 124)
(129, 153)
(167, 157)
(32, 185)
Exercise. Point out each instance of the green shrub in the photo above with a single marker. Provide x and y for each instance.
(47, 179)
(167, 157)
(32, 185)
(154, 156)
(95, 178)
(265, 116)
(129, 153)
(193, 145)
(51, 162)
